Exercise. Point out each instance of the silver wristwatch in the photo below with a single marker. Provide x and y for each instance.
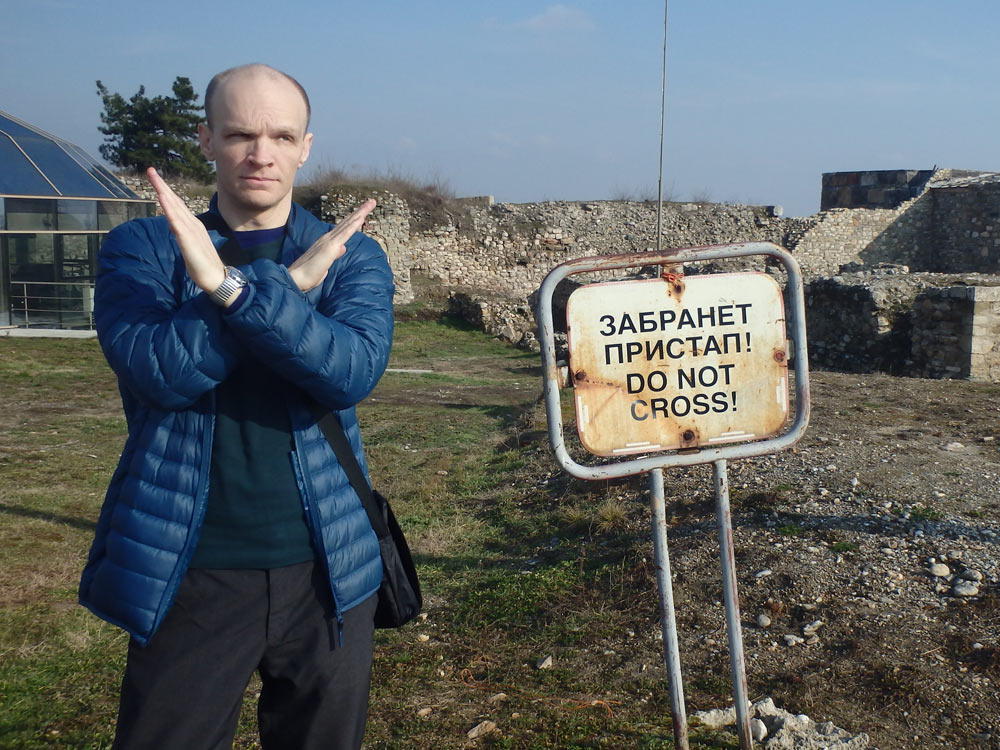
(234, 281)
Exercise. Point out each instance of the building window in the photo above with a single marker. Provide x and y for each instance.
(77, 216)
(140, 210)
(110, 214)
(30, 214)
(78, 252)
(32, 257)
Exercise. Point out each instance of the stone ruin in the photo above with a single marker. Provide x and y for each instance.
(901, 267)
(922, 325)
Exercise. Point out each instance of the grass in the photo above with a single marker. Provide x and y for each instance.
(790, 530)
(918, 513)
(844, 546)
(326, 176)
(922, 513)
(431, 200)
(509, 576)
(61, 430)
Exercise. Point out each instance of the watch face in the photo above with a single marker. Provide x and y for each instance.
(238, 276)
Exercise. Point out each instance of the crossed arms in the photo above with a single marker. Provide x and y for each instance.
(324, 323)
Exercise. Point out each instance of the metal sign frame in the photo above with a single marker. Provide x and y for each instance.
(794, 327)
(716, 455)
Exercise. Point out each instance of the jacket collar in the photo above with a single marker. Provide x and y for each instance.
(213, 220)
(301, 229)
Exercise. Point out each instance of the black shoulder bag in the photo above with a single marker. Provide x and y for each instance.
(399, 598)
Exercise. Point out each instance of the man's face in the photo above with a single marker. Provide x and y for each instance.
(258, 142)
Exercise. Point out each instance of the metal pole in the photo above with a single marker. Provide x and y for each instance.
(732, 601)
(668, 624)
(663, 109)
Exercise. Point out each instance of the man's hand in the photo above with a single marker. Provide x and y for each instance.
(310, 268)
(200, 256)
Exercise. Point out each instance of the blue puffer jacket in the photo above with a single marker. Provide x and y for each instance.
(170, 346)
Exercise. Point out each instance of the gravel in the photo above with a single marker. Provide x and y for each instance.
(868, 562)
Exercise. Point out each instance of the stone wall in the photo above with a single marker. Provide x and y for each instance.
(918, 324)
(195, 196)
(956, 332)
(983, 334)
(841, 236)
(865, 311)
(858, 321)
(887, 188)
(389, 224)
(965, 229)
(950, 224)
(509, 248)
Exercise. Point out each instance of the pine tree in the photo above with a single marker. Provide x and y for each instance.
(160, 132)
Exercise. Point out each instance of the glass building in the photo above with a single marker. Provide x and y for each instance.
(56, 204)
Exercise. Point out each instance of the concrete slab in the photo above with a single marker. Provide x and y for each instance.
(46, 333)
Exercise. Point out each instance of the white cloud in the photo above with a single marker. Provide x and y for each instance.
(498, 137)
(557, 19)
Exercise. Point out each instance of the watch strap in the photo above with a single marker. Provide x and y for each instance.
(234, 281)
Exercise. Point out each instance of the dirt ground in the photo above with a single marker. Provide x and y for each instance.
(845, 616)
(868, 561)
(872, 548)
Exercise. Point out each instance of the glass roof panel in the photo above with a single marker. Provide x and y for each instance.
(98, 172)
(14, 128)
(73, 172)
(65, 172)
(17, 175)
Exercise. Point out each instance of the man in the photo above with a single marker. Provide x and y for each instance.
(230, 540)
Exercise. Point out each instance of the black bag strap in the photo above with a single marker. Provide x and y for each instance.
(333, 430)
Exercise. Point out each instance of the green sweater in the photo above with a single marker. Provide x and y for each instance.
(254, 517)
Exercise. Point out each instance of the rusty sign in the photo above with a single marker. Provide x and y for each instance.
(662, 364)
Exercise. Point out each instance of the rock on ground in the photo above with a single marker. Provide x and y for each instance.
(786, 731)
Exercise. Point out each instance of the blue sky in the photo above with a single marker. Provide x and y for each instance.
(556, 101)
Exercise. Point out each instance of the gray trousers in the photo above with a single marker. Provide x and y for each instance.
(184, 689)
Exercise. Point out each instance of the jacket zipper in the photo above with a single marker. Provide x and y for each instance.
(194, 532)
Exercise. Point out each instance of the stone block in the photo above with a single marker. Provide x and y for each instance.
(840, 179)
(981, 346)
(985, 293)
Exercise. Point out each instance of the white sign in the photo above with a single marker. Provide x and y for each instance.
(662, 364)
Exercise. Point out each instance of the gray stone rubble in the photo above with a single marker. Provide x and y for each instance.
(777, 729)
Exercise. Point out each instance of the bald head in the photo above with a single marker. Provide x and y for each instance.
(250, 71)
(257, 135)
